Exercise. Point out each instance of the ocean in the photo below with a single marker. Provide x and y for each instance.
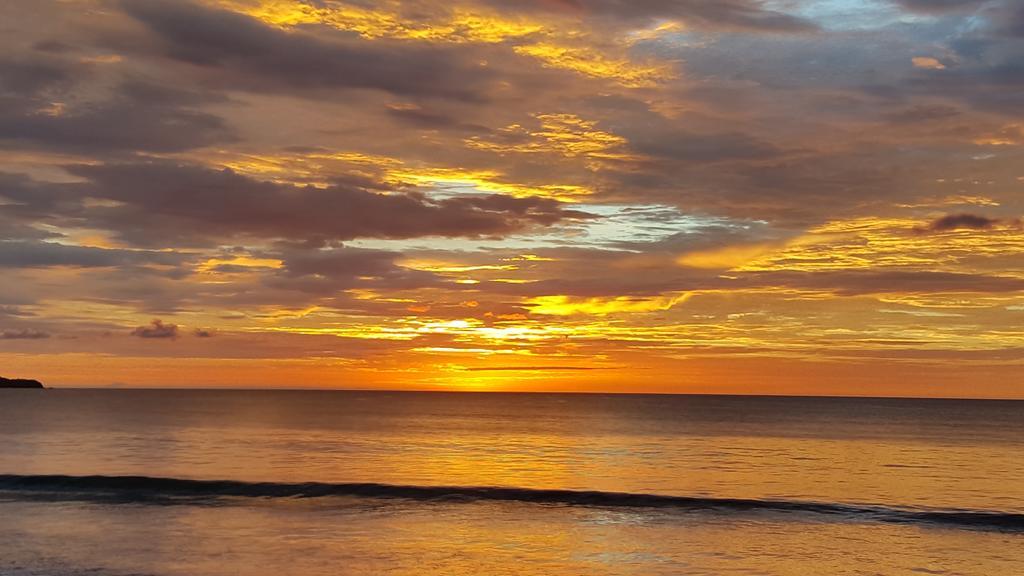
(310, 483)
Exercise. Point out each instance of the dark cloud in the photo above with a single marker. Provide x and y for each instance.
(52, 46)
(328, 270)
(991, 87)
(203, 333)
(790, 191)
(339, 262)
(156, 329)
(12, 228)
(118, 127)
(428, 120)
(29, 254)
(986, 71)
(26, 202)
(683, 146)
(32, 77)
(57, 102)
(1012, 21)
(941, 5)
(242, 53)
(14, 311)
(923, 113)
(138, 116)
(958, 221)
(24, 334)
(162, 203)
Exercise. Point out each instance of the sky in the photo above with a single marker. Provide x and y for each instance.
(694, 196)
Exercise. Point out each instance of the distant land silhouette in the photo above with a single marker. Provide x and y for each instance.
(19, 383)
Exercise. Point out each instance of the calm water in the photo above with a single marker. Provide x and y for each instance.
(404, 483)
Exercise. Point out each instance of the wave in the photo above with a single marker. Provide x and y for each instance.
(149, 490)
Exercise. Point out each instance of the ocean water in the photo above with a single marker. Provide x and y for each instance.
(307, 483)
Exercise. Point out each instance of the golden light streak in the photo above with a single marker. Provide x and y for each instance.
(559, 305)
(485, 181)
(101, 59)
(591, 62)
(316, 168)
(443, 267)
(460, 25)
(210, 265)
(727, 257)
(362, 332)
(311, 168)
(567, 135)
(948, 300)
(866, 243)
(53, 109)
(952, 200)
(1009, 135)
(474, 351)
(457, 25)
(656, 32)
(531, 258)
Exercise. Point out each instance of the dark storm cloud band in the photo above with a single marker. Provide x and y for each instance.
(246, 54)
(161, 204)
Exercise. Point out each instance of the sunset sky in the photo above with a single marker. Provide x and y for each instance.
(735, 196)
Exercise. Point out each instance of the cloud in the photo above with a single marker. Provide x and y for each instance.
(960, 221)
(242, 53)
(927, 62)
(496, 179)
(1012, 21)
(33, 254)
(923, 113)
(163, 203)
(981, 66)
(744, 15)
(156, 329)
(564, 305)
(329, 269)
(23, 334)
(31, 77)
(57, 103)
(14, 311)
(863, 282)
(941, 5)
(117, 125)
(683, 146)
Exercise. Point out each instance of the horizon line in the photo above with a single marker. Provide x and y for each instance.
(536, 392)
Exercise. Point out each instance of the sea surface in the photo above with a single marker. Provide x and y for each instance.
(310, 483)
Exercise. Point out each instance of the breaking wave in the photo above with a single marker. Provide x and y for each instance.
(148, 490)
